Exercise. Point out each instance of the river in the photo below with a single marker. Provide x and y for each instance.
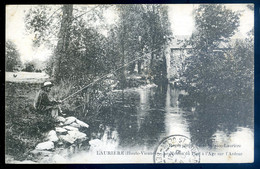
(133, 127)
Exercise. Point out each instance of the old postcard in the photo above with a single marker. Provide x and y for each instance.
(135, 83)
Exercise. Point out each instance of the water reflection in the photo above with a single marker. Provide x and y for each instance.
(142, 117)
(240, 143)
(175, 122)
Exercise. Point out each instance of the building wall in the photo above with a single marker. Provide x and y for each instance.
(176, 62)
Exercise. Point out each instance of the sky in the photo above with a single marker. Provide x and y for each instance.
(15, 31)
(182, 21)
(180, 16)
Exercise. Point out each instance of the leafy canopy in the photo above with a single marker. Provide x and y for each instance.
(12, 57)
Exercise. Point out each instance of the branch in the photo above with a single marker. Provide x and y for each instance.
(84, 13)
(53, 14)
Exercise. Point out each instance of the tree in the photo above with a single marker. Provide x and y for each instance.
(214, 26)
(43, 20)
(63, 41)
(160, 31)
(217, 74)
(142, 29)
(12, 57)
(29, 67)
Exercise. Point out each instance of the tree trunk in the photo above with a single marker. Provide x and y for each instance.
(164, 72)
(153, 41)
(123, 70)
(132, 68)
(63, 41)
(139, 64)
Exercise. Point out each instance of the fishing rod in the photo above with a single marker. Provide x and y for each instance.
(112, 72)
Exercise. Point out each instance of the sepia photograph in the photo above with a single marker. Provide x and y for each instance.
(129, 83)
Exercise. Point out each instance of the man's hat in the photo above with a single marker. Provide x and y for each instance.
(47, 84)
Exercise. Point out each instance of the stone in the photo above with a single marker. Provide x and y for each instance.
(52, 136)
(48, 145)
(72, 136)
(60, 143)
(61, 130)
(70, 128)
(69, 120)
(82, 124)
(78, 135)
(61, 119)
(67, 139)
(75, 125)
(60, 124)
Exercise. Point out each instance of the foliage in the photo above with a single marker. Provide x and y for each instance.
(219, 74)
(90, 54)
(62, 90)
(41, 21)
(215, 25)
(12, 57)
(29, 67)
(82, 52)
(141, 30)
(86, 56)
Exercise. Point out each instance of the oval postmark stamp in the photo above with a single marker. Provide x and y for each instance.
(176, 149)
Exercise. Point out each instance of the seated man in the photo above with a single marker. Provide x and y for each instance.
(44, 105)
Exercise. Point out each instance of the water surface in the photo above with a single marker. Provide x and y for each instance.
(143, 116)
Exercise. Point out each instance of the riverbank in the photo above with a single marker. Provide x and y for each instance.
(28, 138)
(21, 121)
(136, 120)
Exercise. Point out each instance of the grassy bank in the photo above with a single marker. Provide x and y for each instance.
(23, 126)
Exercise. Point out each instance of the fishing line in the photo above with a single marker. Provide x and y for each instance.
(112, 72)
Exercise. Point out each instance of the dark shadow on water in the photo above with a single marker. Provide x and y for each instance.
(139, 116)
(223, 113)
(125, 116)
